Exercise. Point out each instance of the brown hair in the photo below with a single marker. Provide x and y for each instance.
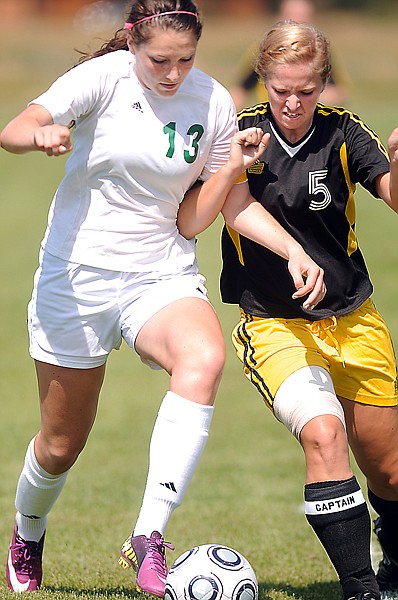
(288, 43)
(142, 32)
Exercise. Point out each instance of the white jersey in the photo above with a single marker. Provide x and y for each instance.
(135, 155)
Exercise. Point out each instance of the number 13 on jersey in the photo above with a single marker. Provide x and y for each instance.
(194, 132)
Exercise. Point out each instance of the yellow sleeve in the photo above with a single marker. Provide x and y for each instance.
(242, 178)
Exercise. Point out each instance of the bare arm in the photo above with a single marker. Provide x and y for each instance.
(202, 204)
(33, 129)
(387, 183)
(249, 218)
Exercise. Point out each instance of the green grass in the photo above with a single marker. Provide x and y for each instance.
(247, 491)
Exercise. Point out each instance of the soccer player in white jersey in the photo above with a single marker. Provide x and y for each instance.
(329, 374)
(113, 265)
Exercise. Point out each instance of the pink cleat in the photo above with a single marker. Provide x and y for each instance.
(24, 568)
(147, 556)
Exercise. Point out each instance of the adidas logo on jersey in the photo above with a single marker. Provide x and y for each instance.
(137, 106)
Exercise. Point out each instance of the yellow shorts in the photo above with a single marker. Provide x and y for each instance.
(355, 348)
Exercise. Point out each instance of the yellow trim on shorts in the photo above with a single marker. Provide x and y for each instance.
(355, 348)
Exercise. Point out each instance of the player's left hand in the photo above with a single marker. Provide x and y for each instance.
(247, 146)
(393, 145)
(308, 279)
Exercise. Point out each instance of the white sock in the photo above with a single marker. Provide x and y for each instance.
(37, 492)
(179, 437)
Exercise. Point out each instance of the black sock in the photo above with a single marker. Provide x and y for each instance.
(388, 512)
(339, 516)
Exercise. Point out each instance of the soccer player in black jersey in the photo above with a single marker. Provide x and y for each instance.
(328, 372)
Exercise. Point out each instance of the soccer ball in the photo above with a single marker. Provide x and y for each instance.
(211, 572)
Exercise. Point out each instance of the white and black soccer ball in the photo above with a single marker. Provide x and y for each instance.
(211, 572)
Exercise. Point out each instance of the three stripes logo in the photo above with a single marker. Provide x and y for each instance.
(137, 106)
(170, 486)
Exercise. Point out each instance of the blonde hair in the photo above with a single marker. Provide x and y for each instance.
(289, 42)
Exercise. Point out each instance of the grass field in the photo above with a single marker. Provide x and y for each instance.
(247, 492)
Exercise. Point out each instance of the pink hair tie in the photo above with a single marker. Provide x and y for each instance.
(170, 12)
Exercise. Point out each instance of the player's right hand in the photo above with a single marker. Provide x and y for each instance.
(54, 139)
(247, 146)
(308, 278)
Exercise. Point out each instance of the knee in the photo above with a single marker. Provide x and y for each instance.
(209, 361)
(201, 366)
(384, 480)
(324, 436)
(57, 454)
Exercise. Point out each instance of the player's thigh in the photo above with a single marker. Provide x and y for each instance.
(271, 350)
(368, 373)
(185, 334)
(305, 396)
(373, 436)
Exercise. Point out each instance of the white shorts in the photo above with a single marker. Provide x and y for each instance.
(78, 314)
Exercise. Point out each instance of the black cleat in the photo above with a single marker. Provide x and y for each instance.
(354, 589)
(387, 574)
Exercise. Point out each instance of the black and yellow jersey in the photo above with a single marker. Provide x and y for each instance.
(309, 188)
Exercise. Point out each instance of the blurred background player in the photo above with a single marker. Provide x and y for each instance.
(250, 88)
